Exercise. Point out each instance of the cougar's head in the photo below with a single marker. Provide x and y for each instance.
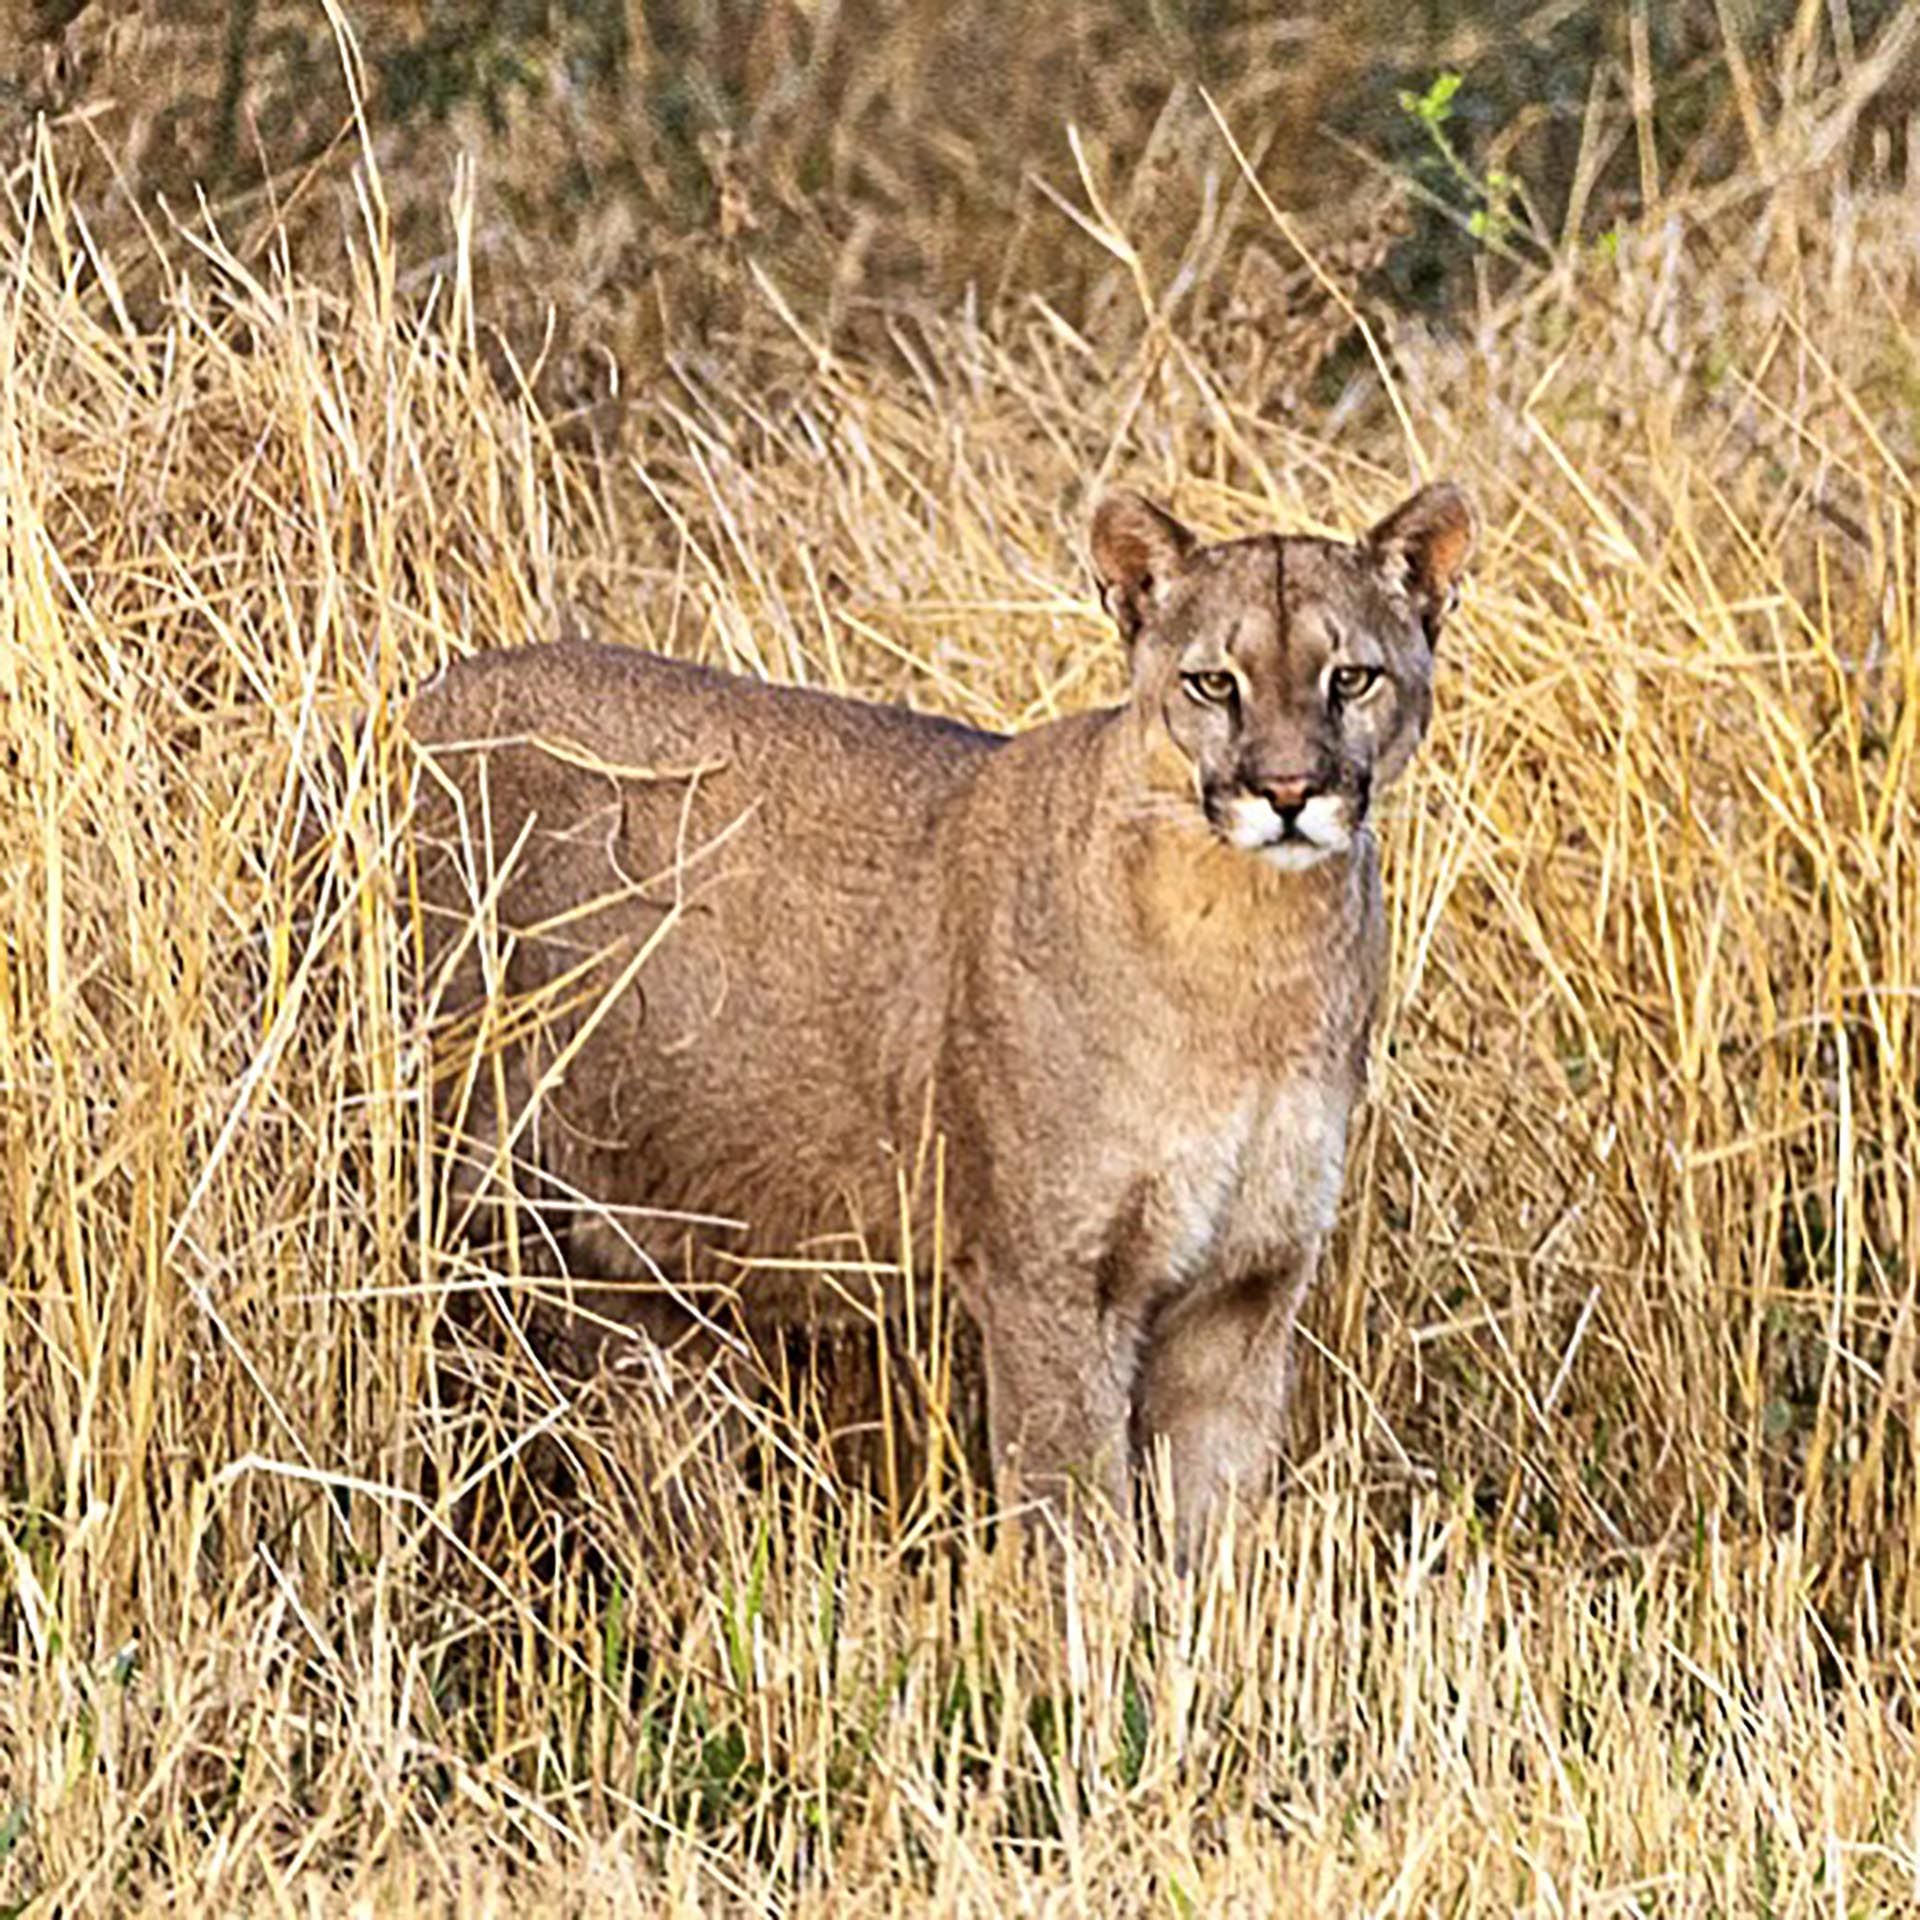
(1282, 681)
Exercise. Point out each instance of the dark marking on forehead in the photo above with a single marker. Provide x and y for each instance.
(1284, 627)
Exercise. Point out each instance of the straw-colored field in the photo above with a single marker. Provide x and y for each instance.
(1595, 1582)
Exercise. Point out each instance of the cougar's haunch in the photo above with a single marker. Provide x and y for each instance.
(732, 958)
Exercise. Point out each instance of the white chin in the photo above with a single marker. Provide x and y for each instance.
(1294, 856)
(1320, 831)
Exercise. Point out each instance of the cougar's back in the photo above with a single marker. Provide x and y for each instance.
(690, 924)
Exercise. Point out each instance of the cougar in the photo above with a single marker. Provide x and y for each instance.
(748, 974)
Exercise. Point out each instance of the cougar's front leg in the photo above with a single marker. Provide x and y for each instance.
(1213, 1388)
(1060, 1375)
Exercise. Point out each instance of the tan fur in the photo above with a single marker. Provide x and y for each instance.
(1138, 1027)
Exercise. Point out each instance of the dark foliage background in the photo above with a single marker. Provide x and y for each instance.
(634, 157)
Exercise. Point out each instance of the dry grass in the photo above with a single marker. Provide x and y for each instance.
(1594, 1589)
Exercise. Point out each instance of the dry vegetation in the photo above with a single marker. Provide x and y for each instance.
(1594, 1586)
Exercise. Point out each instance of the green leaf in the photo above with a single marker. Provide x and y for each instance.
(1436, 104)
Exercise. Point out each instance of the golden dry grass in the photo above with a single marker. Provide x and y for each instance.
(1594, 1585)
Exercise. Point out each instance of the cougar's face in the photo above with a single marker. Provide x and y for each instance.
(1283, 682)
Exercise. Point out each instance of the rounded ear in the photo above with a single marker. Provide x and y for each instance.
(1136, 547)
(1423, 544)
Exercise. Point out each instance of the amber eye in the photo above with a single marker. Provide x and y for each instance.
(1352, 683)
(1215, 689)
